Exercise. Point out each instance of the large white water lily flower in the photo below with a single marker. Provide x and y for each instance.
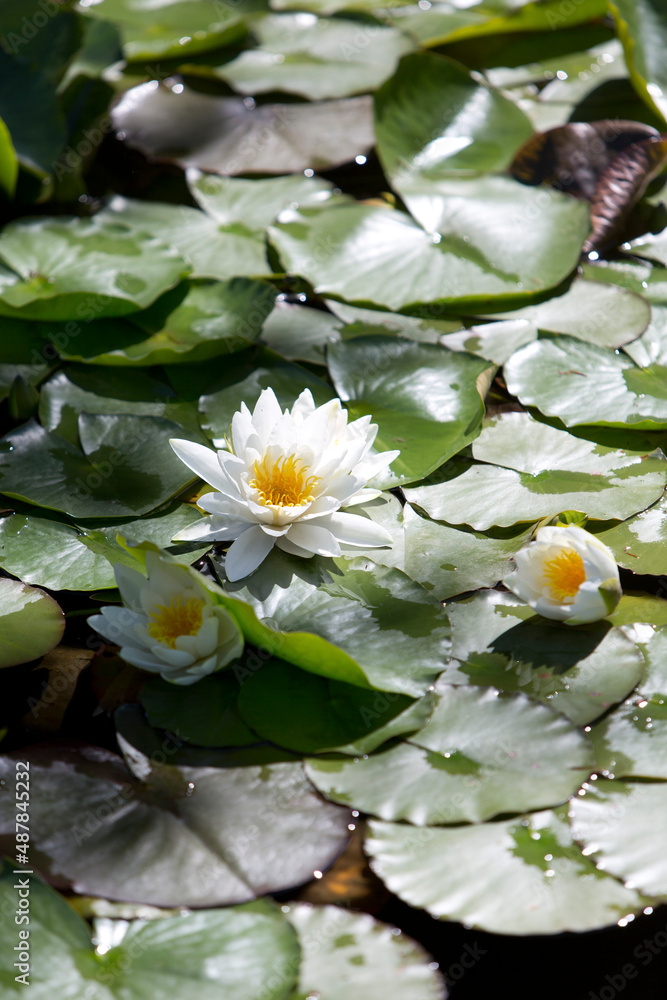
(170, 624)
(568, 574)
(284, 480)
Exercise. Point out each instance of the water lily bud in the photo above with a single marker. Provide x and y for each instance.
(566, 574)
(171, 623)
(284, 480)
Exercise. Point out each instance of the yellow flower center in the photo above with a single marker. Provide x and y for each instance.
(174, 619)
(284, 483)
(565, 574)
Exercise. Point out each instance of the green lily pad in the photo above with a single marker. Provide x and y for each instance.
(254, 204)
(211, 250)
(516, 755)
(227, 136)
(298, 333)
(287, 381)
(427, 401)
(621, 826)
(195, 323)
(311, 714)
(31, 112)
(579, 671)
(237, 951)
(382, 621)
(205, 713)
(638, 544)
(31, 623)
(88, 389)
(592, 311)
(374, 256)
(351, 956)
(125, 466)
(542, 884)
(9, 167)
(642, 28)
(581, 384)
(79, 268)
(170, 29)
(540, 471)
(170, 835)
(59, 556)
(315, 57)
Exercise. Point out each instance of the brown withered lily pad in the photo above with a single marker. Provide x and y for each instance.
(608, 163)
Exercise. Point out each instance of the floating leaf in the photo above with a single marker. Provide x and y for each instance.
(542, 883)
(581, 384)
(350, 956)
(385, 625)
(638, 543)
(170, 28)
(579, 671)
(254, 204)
(427, 401)
(642, 28)
(171, 835)
(125, 466)
(224, 135)
(540, 471)
(31, 623)
(311, 714)
(241, 952)
(59, 556)
(205, 713)
(77, 267)
(516, 756)
(622, 827)
(315, 57)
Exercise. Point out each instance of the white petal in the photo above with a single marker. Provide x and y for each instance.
(130, 584)
(117, 625)
(206, 639)
(372, 464)
(314, 538)
(202, 460)
(209, 529)
(304, 405)
(247, 552)
(266, 414)
(172, 657)
(353, 529)
(288, 546)
(141, 658)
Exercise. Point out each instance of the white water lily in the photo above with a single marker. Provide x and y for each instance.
(567, 574)
(284, 480)
(171, 623)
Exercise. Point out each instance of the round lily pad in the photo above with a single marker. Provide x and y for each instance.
(31, 623)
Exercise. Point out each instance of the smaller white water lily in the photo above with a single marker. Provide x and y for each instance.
(567, 574)
(284, 480)
(170, 624)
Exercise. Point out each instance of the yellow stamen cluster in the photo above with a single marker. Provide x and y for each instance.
(174, 619)
(565, 574)
(283, 483)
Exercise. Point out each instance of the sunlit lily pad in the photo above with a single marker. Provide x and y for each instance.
(31, 623)
(351, 956)
(226, 136)
(516, 755)
(517, 876)
(581, 384)
(315, 57)
(579, 671)
(57, 555)
(77, 268)
(237, 951)
(540, 471)
(427, 401)
(622, 827)
(381, 619)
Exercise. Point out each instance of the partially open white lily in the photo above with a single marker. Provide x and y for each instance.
(171, 623)
(284, 481)
(567, 574)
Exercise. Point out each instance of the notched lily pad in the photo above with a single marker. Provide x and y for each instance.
(166, 834)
